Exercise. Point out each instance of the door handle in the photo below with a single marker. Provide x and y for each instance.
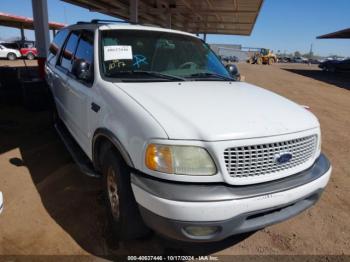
(95, 107)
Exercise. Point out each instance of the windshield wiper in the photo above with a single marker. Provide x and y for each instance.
(154, 73)
(210, 75)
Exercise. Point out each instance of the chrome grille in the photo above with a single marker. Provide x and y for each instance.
(257, 160)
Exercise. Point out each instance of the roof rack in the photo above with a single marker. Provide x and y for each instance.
(82, 22)
(97, 21)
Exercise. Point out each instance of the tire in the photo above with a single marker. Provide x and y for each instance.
(271, 61)
(331, 69)
(259, 61)
(11, 56)
(30, 56)
(124, 218)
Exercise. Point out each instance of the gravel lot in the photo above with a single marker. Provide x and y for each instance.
(52, 209)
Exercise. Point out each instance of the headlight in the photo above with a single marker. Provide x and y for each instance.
(180, 160)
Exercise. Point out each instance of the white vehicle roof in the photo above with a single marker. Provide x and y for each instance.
(125, 26)
(142, 27)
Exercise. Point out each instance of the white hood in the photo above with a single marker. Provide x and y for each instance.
(213, 110)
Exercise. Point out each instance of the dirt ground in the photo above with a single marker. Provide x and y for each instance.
(51, 208)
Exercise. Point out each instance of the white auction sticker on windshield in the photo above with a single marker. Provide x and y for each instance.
(117, 52)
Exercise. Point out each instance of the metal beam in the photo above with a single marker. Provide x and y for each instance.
(208, 16)
(199, 11)
(169, 20)
(134, 11)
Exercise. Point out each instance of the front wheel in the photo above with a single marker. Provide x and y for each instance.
(122, 211)
(11, 56)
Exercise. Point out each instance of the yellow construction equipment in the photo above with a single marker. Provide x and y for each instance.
(263, 56)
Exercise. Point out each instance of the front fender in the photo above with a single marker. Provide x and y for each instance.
(126, 124)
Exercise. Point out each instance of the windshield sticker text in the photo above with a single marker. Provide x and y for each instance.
(118, 52)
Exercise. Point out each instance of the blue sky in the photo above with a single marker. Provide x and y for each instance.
(285, 25)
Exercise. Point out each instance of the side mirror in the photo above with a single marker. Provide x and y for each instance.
(233, 70)
(81, 69)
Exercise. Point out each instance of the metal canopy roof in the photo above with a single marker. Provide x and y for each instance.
(342, 34)
(23, 22)
(236, 17)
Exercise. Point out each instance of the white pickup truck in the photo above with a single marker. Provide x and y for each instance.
(181, 146)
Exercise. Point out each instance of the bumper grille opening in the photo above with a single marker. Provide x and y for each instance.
(267, 212)
(257, 160)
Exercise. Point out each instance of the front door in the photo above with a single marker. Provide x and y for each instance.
(81, 90)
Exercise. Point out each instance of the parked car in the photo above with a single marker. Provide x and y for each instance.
(300, 60)
(9, 53)
(336, 65)
(181, 147)
(28, 50)
(230, 59)
(29, 53)
(284, 59)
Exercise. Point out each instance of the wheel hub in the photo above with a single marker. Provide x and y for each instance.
(113, 193)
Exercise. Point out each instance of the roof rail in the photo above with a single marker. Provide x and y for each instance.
(151, 25)
(96, 21)
(82, 22)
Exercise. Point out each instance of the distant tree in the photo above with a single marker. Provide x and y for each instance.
(297, 54)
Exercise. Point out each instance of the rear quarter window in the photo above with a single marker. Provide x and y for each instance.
(66, 59)
(57, 43)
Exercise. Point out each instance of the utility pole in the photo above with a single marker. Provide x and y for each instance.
(311, 52)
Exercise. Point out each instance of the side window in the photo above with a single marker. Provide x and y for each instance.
(85, 52)
(68, 51)
(57, 43)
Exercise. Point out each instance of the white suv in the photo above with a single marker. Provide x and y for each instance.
(181, 146)
(9, 53)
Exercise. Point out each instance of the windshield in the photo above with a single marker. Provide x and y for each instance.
(133, 54)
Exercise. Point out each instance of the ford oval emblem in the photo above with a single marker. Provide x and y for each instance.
(283, 158)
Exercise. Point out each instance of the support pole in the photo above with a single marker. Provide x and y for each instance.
(42, 33)
(169, 20)
(22, 35)
(134, 11)
(205, 37)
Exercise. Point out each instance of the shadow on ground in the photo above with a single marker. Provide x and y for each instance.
(341, 80)
(72, 199)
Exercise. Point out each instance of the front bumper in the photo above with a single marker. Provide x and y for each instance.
(169, 208)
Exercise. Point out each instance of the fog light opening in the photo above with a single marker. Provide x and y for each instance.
(201, 231)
